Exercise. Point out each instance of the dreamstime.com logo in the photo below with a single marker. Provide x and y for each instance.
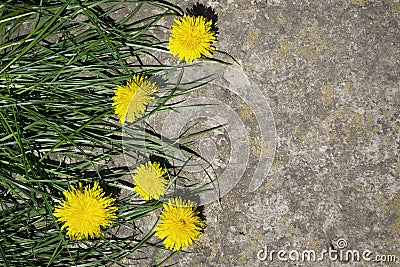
(341, 253)
(244, 141)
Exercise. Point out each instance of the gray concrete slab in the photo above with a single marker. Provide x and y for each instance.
(329, 71)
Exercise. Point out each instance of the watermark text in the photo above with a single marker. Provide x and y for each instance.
(340, 253)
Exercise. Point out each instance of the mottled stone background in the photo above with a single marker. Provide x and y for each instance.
(330, 73)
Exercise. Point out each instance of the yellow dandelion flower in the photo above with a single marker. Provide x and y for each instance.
(85, 211)
(149, 180)
(191, 37)
(130, 101)
(180, 224)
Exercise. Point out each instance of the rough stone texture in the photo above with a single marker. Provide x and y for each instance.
(330, 72)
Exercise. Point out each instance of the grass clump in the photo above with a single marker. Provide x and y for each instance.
(60, 64)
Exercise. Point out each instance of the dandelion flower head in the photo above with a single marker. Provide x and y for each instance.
(149, 180)
(130, 101)
(191, 37)
(180, 224)
(85, 211)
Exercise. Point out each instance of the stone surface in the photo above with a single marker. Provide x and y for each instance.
(330, 73)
